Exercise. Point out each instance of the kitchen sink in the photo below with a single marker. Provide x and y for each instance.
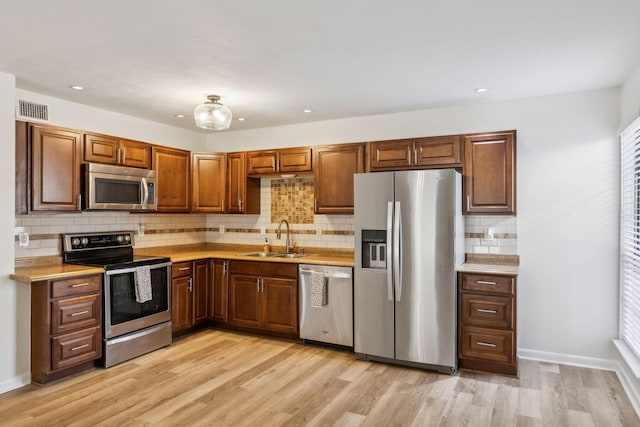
(292, 255)
(263, 254)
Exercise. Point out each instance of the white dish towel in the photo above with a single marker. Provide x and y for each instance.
(319, 294)
(142, 278)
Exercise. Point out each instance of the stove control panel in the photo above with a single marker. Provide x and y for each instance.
(85, 241)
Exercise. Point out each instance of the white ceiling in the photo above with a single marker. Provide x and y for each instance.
(270, 59)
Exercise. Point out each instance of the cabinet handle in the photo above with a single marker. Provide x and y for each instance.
(486, 344)
(224, 268)
(79, 313)
(79, 202)
(262, 285)
(486, 282)
(485, 310)
(415, 156)
(273, 165)
(80, 347)
(190, 284)
(258, 285)
(79, 285)
(118, 156)
(278, 165)
(239, 204)
(468, 204)
(184, 268)
(222, 205)
(315, 205)
(124, 155)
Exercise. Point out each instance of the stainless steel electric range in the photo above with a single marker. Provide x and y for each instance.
(131, 328)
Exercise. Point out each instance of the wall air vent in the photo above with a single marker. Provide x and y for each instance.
(31, 111)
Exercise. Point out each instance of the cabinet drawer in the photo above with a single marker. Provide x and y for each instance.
(75, 286)
(75, 313)
(181, 269)
(484, 310)
(76, 347)
(488, 344)
(487, 283)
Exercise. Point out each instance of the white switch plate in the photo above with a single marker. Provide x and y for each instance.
(23, 238)
(221, 228)
(488, 233)
(263, 230)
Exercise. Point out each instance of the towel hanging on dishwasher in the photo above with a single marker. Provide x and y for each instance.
(319, 292)
(142, 279)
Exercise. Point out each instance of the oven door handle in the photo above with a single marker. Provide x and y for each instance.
(132, 269)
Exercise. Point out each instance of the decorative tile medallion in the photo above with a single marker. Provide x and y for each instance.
(292, 199)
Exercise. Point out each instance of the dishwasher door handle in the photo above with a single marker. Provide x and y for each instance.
(329, 275)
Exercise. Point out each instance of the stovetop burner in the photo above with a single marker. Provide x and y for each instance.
(110, 250)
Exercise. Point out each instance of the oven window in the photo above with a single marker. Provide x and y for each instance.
(123, 297)
(117, 191)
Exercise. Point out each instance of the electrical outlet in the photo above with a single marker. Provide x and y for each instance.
(263, 230)
(221, 228)
(23, 239)
(141, 228)
(488, 233)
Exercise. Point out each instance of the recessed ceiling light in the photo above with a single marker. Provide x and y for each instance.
(307, 110)
(76, 87)
(180, 116)
(482, 89)
(241, 119)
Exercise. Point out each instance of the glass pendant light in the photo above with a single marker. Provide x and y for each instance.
(212, 114)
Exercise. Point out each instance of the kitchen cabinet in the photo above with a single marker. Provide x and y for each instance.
(208, 182)
(415, 153)
(219, 292)
(173, 179)
(66, 326)
(243, 193)
(487, 329)
(201, 290)
(264, 297)
(490, 173)
(285, 161)
(116, 151)
(333, 170)
(56, 154)
(189, 294)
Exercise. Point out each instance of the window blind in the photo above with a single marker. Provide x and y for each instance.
(630, 237)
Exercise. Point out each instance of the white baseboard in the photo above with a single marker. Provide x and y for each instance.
(15, 383)
(625, 375)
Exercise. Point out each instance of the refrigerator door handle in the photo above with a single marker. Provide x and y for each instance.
(389, 251)
(397, 252)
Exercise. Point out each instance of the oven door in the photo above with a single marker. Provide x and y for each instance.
(122, 313)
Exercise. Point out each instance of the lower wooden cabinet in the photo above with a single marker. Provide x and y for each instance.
(487, 330)
(189, 294)
(66, 326)
(219, 292)
(264, 296)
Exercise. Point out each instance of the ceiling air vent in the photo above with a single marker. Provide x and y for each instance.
(28, 110)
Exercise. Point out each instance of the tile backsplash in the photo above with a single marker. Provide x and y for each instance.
(279, 199)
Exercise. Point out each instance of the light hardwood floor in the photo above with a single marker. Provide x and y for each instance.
(217, 378)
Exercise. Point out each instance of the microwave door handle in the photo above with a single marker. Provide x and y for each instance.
(145, 193)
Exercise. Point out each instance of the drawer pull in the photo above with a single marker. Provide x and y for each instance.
(486, 282)
(79, 285)
(486, 344)
(79, 313)
(184, 268)
(80, 347)
(486, 310)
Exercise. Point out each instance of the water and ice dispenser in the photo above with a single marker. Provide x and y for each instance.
(374, 249)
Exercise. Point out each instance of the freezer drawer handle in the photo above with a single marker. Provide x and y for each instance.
(328, 275)
(486, 310)
(486, 344)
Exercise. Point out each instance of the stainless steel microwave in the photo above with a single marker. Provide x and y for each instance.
(107, 187)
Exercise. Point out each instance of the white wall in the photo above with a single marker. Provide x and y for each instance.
(630, 99)
(567, 159)
(14, 297)
(77, 116)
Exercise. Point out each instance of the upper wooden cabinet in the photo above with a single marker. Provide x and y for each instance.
(333, 170)
(173, 175)
(116, 151)
(270, 162)
(414, 153)
(243, 193)
(490, 173)
(209, 173)
(56, 154)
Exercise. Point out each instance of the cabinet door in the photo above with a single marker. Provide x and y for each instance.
(173, 177)
(333, 170)
(243, 194)
(262, 162)
(489, 173)
(181, 304)
(55, 168)
(200, 291)
(438, 151)
(101, 148)
(244, 301)
(390, 155)
(209, 183)
(219, 291)
(295, 160)
(135, 154)
(280, 304)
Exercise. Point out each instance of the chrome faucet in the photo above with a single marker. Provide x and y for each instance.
(288, 247)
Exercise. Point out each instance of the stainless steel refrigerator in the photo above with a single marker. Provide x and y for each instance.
(409, 239)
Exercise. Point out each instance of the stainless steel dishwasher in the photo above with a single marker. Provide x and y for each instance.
(331, 322)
